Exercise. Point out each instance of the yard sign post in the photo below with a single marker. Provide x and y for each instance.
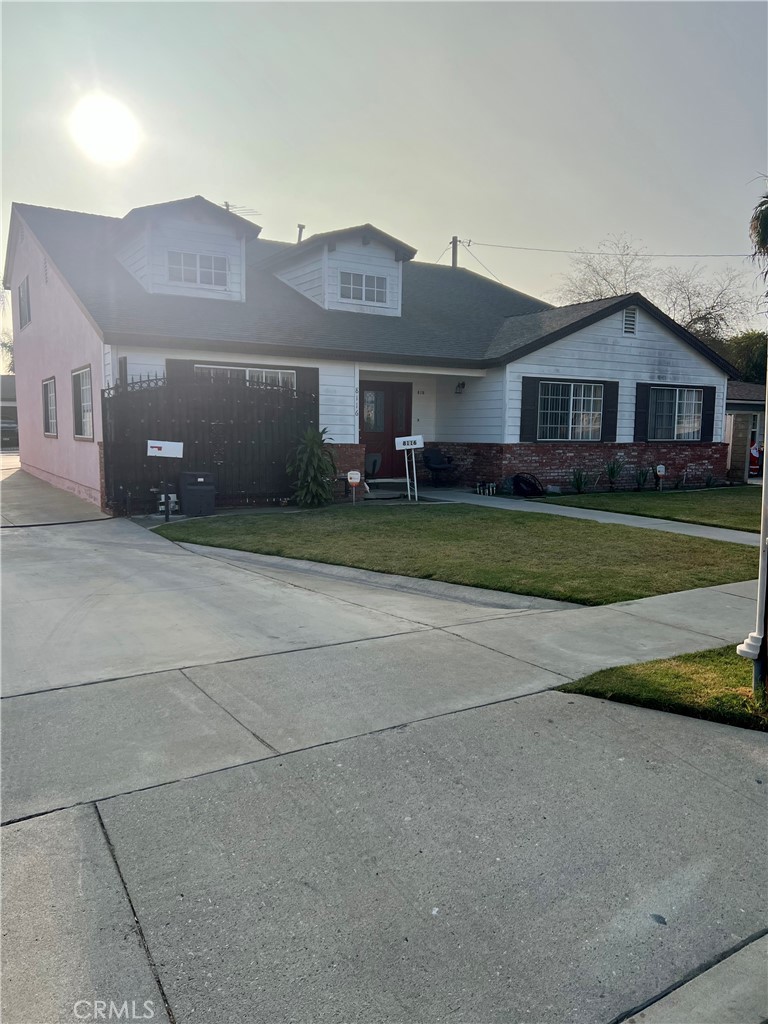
(166, 450)
(353, 478)
(410, 444)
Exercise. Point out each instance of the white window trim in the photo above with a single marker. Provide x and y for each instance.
(252, 370)
(569, 438)
(24, 284)
(198, 283)
(366, 277)
(52, 420)
(83, 409)
(677, 391)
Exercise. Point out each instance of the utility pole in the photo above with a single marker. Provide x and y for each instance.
(455, 251)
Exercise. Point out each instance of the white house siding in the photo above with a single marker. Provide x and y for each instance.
(58, 339)
(306, 276)
(476, 415)
(351, 255)
(603, 352)
(198, 236)
(338, 401)
(134, 256)
(337, 380)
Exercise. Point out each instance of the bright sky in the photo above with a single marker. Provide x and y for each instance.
(543, 124)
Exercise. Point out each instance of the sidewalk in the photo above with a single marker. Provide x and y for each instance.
(596, 515)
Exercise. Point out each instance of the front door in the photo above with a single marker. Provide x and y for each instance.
(385, 413)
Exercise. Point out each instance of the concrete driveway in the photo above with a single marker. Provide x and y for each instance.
(240, 789)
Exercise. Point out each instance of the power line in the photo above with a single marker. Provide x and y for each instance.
(466, 245)
(445, 250)
(588, 252)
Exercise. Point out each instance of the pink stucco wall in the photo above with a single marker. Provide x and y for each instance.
(58, 339)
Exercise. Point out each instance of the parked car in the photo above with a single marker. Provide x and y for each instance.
(9, 434)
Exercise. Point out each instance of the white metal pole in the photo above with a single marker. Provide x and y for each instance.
(415, 484)
(755, 644)
(407, 474)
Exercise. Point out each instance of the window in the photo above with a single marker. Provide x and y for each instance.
(363, 287)
(25, 313)
(195, 268)
(82, 403)
(50, 426)
(570, 412)
(630, 320)
(251, 375)
(674, 414)
(373, 411)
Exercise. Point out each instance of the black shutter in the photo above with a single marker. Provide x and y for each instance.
(307, 378)
(708, 414)
(610, 410)
(178, 371)
(529, 409)
(642, 402)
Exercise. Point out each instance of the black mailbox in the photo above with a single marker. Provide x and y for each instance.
(197, 494)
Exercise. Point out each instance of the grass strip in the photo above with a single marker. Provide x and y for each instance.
(715, 685)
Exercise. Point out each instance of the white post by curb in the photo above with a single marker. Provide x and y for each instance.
(754, 645)
(410, 444)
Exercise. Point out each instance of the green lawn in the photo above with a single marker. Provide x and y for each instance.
(716, 685)
(736, 508)
(565, 559)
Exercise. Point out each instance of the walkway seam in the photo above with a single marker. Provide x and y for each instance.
(234, 718)
(691, 976)
(142, 937)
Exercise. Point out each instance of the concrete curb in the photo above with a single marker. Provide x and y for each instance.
(734, 991)
(405, 584)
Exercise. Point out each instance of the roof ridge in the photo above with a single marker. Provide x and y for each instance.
(58, 209)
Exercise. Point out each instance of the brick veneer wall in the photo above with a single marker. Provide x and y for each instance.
(348, 456)
(554, 463)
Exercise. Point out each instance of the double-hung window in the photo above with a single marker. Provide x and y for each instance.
(50, 426)
(363, 287)
(25, 313)
(197, 268)
(674, 414)
(570, 411)
(82, 403)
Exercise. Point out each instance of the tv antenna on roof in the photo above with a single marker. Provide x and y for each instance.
(241, 211)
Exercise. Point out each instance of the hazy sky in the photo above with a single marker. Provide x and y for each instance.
(535, 124)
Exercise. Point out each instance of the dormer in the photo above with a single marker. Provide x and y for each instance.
(357, 270)
(189, 247)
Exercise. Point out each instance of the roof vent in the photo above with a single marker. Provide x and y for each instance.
(630, 320)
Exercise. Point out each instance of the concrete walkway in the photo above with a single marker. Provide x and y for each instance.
(27, 501)
(244, 787)
(595, 515)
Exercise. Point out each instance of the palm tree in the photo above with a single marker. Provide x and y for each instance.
(758, 233)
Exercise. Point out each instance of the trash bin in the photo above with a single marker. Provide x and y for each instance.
(197, 493)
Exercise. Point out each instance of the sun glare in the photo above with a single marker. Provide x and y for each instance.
(104, 129)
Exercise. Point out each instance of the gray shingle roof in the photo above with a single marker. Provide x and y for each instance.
(740, 391)
(449, 316)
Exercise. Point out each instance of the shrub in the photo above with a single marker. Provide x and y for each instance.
(641, 478)
(613, 471)
(579, 480)
(314, 468)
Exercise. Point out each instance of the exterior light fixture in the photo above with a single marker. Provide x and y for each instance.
(460, 387)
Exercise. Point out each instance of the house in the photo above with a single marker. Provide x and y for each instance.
(744, 425)
(8, 413)
(382, 344)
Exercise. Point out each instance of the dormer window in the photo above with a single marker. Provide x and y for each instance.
(362, 287)
(197, 269)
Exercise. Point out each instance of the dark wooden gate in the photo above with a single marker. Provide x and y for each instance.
(241, 432)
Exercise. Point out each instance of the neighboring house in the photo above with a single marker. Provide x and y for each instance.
(9, 436)
(744, 425)
(501, 381)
